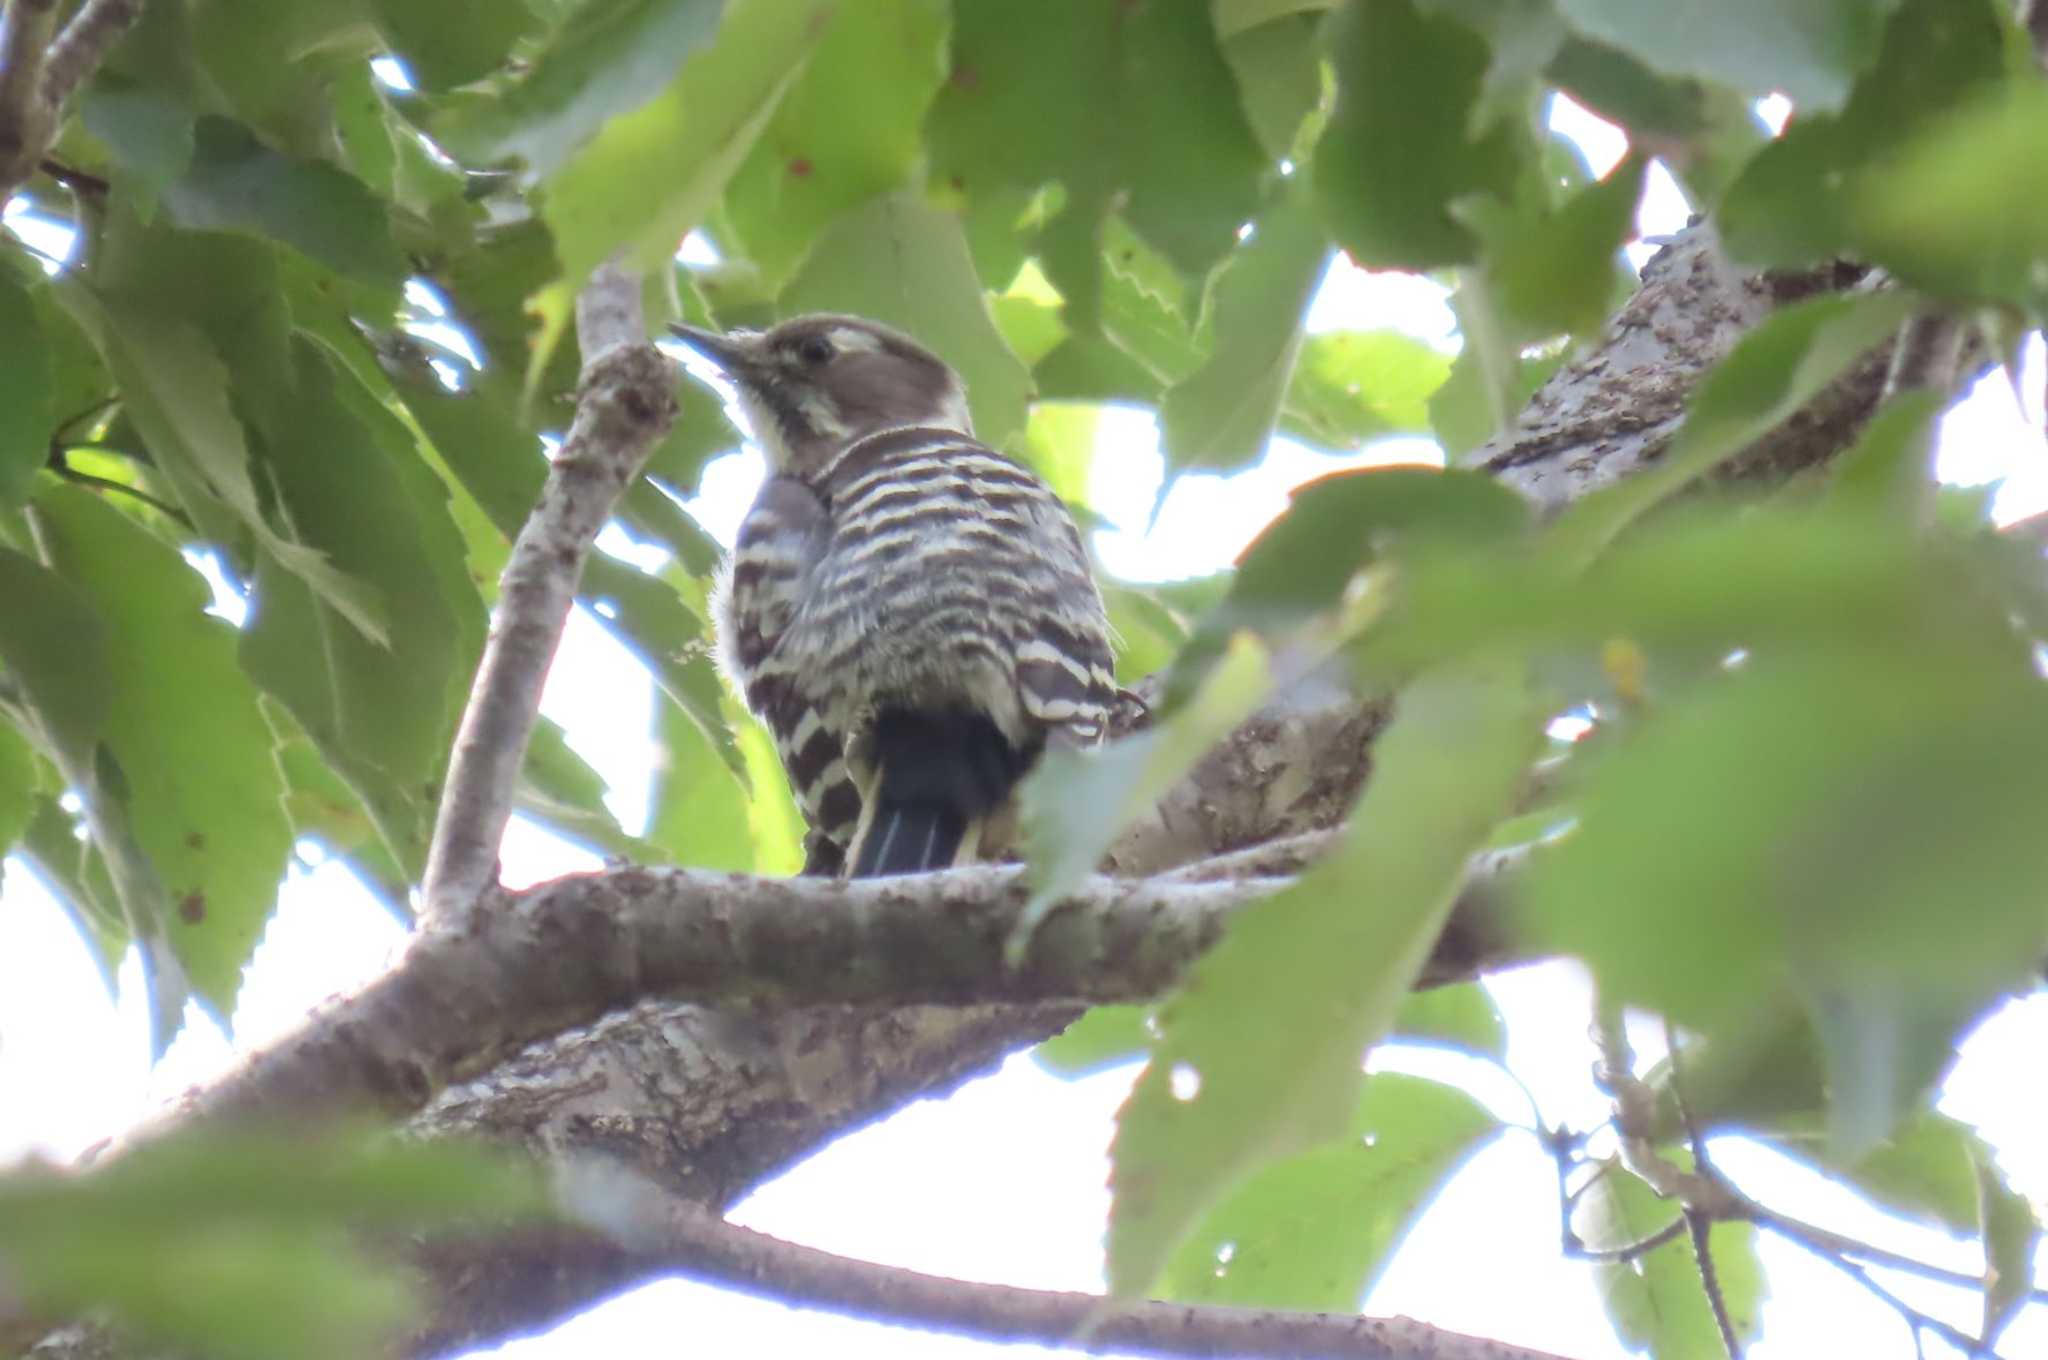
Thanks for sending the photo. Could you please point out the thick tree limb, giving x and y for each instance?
(475, 986)
(625, 403)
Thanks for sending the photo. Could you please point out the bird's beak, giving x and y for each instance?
(736, 354)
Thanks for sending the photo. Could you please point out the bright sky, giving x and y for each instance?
(1004, 1181)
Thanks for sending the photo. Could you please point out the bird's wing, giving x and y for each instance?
(780, 543)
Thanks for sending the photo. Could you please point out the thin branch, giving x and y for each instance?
(1701, 1227)
(98, 483)
(1914, 1318)
(1628, 1251)
(1827, 1242)
(79, 181)
(84, 44)
(674, 1234)
(625, 404)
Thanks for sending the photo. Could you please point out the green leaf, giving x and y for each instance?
(1059, 444)
(2011, 1230)
(269, 64)
(1841, 785)
(1811, 51)
(1962, 209)
(772, 816)
(1656, 1302)
(901, 261)
(1478, 398)
(444, 44)
(1553, 272)
(53, 642)
(26, 417)
(145, 127)
(1075, 802)
(1891, 467)
(1222, 414)
(1104, 1037)
(203, 795)
(1120, 104)
(1352, 387)
(1462, 1016)
(19, 785)
(354, 488)
(235, 183)
(849, 128)
(700, 812)
(1279, 70)
(1303, 563)
(203, 1243)
(1246, 1072)
(557, 786)
(1315, 1230)
(652, 174)
(1401, 146)
(701, 432)
(175, 388)
(1704, 133)
(1772, 372)
(55, 844)
(607, 60)
(1796, 203)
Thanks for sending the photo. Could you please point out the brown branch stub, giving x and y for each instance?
(625, 403)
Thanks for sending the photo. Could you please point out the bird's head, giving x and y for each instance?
(813, 384)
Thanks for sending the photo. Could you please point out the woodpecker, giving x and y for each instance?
(909, 612)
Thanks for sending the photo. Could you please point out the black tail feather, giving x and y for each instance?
(939, 774)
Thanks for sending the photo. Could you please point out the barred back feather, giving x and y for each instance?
(915, 623)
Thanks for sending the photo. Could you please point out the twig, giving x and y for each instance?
(98, 483)
(1628, 1251)
(1914, 1318)
(1828, 1242)
(82, 181)
(674, 1234)
(1697, 1223)
(625, 404)
(1702, 1227)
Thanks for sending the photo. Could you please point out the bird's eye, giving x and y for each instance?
(814, 349)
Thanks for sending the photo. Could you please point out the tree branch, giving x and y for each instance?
(38, 73)
(479, 983)
(84, 44)
(625, 404)
(669, 1234)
